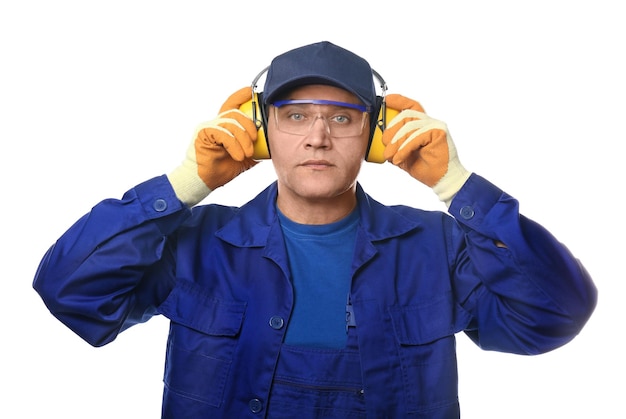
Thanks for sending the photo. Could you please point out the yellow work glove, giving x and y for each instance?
(423, 147)
(220, 150)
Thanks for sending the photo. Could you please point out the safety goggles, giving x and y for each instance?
(341, 119)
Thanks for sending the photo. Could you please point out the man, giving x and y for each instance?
(314, 300)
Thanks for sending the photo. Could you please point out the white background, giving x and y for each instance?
(98, 96)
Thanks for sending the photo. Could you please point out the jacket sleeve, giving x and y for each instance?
(526, 292)
(113, 266)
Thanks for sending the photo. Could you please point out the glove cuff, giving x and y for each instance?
(187, 185)
(451, 182)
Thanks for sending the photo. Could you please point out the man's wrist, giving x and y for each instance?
(187, 185)
(451, 182)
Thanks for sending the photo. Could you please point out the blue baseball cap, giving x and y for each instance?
(320, 63)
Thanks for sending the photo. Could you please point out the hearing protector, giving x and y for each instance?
(256, 110)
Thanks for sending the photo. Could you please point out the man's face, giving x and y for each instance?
(316, 165)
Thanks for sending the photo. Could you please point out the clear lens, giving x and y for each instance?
(299, 118)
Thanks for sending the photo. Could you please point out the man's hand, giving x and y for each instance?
(423, 147)
(220, 151)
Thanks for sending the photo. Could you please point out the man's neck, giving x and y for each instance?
(317, 211)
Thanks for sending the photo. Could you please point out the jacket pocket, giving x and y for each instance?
(426, 344)
(201, 344)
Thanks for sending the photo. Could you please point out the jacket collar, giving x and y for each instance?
(254, 221)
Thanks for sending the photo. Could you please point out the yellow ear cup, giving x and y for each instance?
(261, 150)
(377, 148)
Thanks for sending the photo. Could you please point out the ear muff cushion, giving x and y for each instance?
(376, 147)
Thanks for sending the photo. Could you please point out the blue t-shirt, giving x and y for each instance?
(320, 258)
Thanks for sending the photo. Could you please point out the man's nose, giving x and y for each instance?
(319, 134)
(324, 123)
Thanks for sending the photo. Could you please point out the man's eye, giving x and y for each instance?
(297, 117)
(341, 119)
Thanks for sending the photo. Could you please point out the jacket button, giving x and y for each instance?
(276, 322)
(255, 405)
(160, 205)
(467, 212)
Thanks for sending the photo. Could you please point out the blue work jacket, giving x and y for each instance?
(221, 275)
